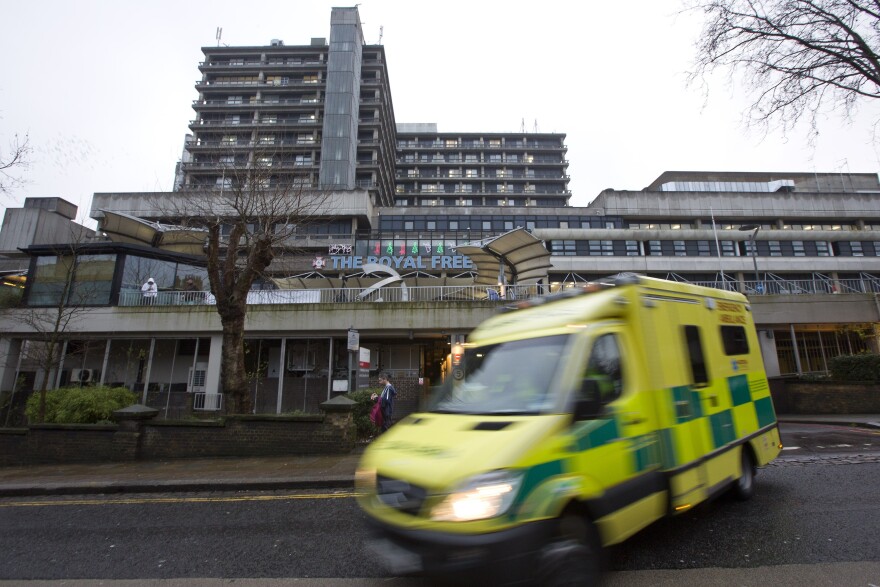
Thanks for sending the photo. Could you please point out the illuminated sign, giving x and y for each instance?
(437, 262)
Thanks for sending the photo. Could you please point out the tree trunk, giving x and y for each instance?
(232, 372)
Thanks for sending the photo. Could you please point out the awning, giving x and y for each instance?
(124, 228)
(523, 257)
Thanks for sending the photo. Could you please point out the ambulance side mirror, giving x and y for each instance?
(589, 402)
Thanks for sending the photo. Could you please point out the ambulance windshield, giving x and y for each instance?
(508, 378)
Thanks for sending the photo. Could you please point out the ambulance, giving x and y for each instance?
(572, 422)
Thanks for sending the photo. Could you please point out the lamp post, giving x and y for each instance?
(754, 228)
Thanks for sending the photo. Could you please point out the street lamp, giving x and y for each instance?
(754, 228)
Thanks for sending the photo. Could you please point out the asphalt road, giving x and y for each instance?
(815, 520)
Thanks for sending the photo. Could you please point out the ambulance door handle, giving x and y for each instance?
(713, 398)
(633, 422)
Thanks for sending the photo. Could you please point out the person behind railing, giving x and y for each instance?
(149, 292)
(191, 293)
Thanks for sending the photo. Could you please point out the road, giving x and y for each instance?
(816, 514)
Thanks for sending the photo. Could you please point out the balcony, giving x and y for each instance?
(472, 293)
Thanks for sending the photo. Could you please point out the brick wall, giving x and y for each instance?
(825, 397)
(330, 433)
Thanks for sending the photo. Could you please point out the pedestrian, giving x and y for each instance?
(190, 291)
(150, 291)
(386, 400)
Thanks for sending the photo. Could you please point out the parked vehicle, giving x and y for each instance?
(571, 424)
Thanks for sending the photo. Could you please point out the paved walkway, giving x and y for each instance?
(230, 474)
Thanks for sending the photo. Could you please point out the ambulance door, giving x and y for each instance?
(680, 349)
(621, 446)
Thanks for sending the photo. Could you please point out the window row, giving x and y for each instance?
(479, 158)
(494, 223)
(706, 248)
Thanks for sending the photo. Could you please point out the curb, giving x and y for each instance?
(808, 420)
(200, 486)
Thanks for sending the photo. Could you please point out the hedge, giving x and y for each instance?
(80, 405)
(861, 367)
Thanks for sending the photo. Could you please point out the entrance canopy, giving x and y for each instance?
(515, 257)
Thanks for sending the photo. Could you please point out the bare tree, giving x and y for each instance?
(798, 58)
(248, 219)
(60, 298)
(15, 159)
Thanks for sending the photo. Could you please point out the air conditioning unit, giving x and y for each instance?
(84, 375)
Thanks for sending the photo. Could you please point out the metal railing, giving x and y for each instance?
(393, 293)
(471, 293)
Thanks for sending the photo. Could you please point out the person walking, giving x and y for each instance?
(149, 291)
(386, 400)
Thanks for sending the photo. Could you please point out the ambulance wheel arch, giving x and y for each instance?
(744, 486)
(574, 556)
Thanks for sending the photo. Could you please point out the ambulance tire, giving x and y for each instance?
(744, 487)
(575, 558)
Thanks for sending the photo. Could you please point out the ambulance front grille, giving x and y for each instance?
(400, 495)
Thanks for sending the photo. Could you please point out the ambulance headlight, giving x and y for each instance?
(484, 496)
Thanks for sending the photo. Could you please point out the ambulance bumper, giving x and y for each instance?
(508, 557)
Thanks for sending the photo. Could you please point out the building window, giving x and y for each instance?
(728, 249)
(487, 225)
(601, 248)
(822, 249)
(798, 248)
(565, 248)
(632, 248)
(775, 248)
(679, 248)
(453, 225)
(655, 248)
(303, 160)
(432, 225)
(408, 225)
(703, 249)
(563, 224)
(856, 248)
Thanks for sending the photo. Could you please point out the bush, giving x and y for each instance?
(361, 412)
(80, 405)
(10, 297)
(862, 367)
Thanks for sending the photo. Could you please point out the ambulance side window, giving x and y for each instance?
(604, 366)
(735, 340)
(697, 361)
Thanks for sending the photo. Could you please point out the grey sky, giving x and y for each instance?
(104, 88)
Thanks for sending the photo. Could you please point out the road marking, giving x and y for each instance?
(791, 448)
(169, 500)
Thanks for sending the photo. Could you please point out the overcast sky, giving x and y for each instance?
(104, 88)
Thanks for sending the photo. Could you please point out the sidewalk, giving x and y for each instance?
(234, 474)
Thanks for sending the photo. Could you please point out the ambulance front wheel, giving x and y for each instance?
(745, 485)
(574, 558)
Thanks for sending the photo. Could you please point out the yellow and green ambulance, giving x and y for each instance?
(573, 422)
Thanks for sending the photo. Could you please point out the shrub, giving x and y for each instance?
(80, 405)
(10, 297)
(361, 412)
(861, 367)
